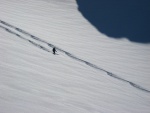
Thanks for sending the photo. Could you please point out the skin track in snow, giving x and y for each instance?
(67, 53)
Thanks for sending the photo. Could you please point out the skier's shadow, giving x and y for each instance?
(119, 18)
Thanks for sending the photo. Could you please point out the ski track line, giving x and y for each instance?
(35, 44)
(63, 51)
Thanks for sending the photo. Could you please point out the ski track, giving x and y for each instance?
(63, 51)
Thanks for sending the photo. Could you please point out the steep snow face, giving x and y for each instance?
(91, 73)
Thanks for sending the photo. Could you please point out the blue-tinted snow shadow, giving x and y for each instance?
(119, 18)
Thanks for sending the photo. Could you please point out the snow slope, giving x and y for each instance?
(92, 73)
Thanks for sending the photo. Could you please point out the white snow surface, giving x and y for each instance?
(99, 74)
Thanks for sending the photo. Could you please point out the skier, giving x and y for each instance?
(54, 50)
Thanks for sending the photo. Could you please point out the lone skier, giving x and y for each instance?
(54, 50)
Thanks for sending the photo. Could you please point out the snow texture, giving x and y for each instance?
(91, 72)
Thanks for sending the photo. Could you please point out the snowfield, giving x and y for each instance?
(91, 73)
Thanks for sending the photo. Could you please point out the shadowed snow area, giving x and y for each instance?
(128, 19)
(91, 72)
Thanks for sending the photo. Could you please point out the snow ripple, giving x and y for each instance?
(63, 51)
